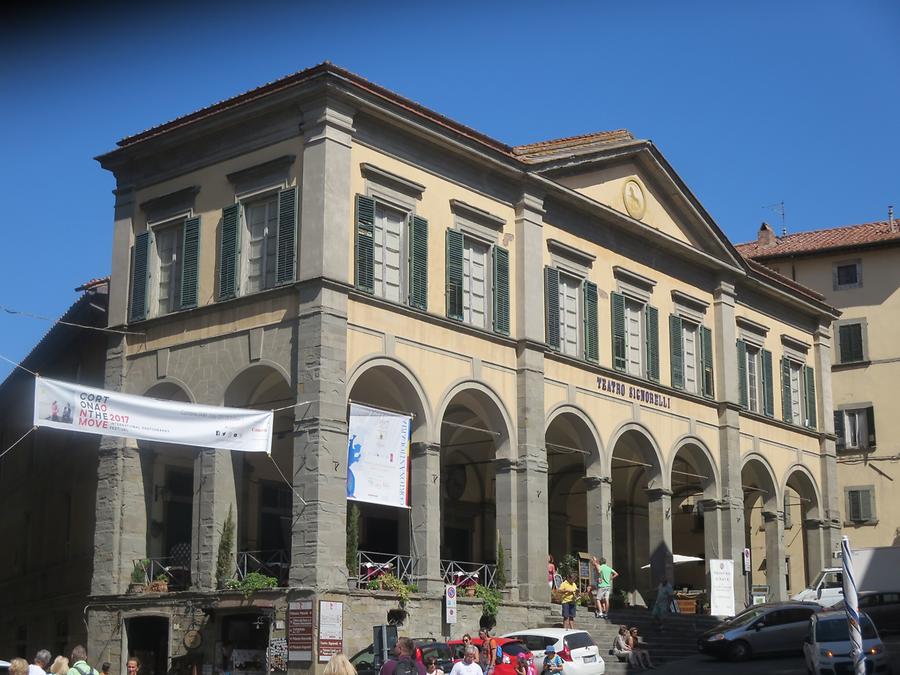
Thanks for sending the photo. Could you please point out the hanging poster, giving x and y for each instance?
(378, 456)
(74, 407)
(331, 629)
(721, 592)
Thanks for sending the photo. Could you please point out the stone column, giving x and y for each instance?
(318, 550)
(775, 566)
(599, 520)
(731, 507)
(507, 504)
(214, 492)
(831, 508)
(815, 530)
(426, 515)
(120, 532)
(659, 513)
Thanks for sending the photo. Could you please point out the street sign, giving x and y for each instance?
(450, 603)
(746, 560)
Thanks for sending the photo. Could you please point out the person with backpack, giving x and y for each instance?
(553, 663)
(404, 662)
(79, 662)
(490, 651)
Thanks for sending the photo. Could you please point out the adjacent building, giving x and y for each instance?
(590, 364)
(857, 269)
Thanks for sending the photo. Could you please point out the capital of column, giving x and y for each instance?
(531, 204)
(724, 292)
(655, 494)
(424, 449)
(593, 482)
(533, 464)
(505, 465)
(814, 524)
(772, 516)
(712, 504)
(328, 120)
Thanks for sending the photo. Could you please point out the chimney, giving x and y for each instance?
(891, 218)
(766, 236)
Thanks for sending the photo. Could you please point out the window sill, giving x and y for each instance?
(850, 365)
(860, 523)
(759, 417)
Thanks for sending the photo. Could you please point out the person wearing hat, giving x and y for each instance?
(553, 662)
(524, 664)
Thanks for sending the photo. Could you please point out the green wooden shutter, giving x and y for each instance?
(140, 276)
(706, 360)
(865, 505)
(500, 258)
(767, 384)
(286, 251)
(551, 304)
(229, 252)
(455, 274)
(809, 376)
(854, 510)
(676, 351)
(786, 412)
(651, 324)
(617, 303)
(870, 425)
(742, 373)
(418, 262)
(839, 431)
(365, 243)
(591, 348)
(190, 258)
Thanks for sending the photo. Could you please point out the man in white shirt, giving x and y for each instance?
(469, 665)
(41, 661)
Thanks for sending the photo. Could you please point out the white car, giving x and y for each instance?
(577, 648)
(827, 647)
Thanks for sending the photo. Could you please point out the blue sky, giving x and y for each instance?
(752, 105)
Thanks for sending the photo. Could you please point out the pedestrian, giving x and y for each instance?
(339, 664)
(568, 593)
(60, 666)
(469, 664)
(525, 665)
(664, 593)
(641, 655)
(488, 651)
(39, 663)
(404, 662)
(605, 576)
(79, 662)
(104, 669)
(18, 666)
(551, 570)
(133, 665)
(553, 663)
(621, 649)
(432, 667)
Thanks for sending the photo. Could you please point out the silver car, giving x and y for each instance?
(827, 647)
(770, 628)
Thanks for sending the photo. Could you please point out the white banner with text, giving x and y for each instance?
(378, 456)
(74, 407)
(721, 593)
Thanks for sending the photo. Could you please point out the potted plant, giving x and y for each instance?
(160, 584)
(254, 581)
(139, 577)
(490, 605)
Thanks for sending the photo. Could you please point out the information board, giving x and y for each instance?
(721, 593)
(331, 629)
(300, 630)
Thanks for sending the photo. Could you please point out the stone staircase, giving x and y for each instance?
(677, 640)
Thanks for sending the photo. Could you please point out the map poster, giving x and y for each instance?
(721, 592)
(378, 456)
(300, 631)
(331, 629)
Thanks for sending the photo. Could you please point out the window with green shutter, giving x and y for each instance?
(706, 362)
(768, 387)
(591, 347)
(140, 254)
(850, 341)
(651, 324)
(787, 409)
(229, 250)
(418, 262)
(617, 306)
(870, 425)
(860, 504)
(841, 442)
(676, 351)
(364, 243)
(742, 374)
(809, 396)
(500, 277)
(454, 274)
(551, 304)
(190, 262)
(286, 246)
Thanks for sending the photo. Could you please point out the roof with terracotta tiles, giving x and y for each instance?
(822, 241)
(532, 152)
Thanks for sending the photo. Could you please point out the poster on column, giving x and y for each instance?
(331, 629)
(378, 456)
(721, 592)
(74, 407)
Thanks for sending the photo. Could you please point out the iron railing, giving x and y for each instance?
(173, 570)
(371, 566)
(276, 563)
(465, 574)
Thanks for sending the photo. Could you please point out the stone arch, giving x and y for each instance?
(400, 389)
(757, 467)
(488, 405)
(595, 462)
(698, 453)
(800, 478)
(805, 522)
(251, 382)
(649, 449)
(170, 389)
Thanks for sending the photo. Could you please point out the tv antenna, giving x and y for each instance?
(778, 207)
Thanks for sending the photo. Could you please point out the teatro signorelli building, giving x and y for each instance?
(589, 364)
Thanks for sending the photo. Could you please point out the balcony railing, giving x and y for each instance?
(465, 574)
(275, 563)
(173, 570)
(371, 566)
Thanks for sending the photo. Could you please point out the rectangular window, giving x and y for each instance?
(168, 250)
(753, 388)
(569, 315)
(634, 340)
(691, 354)
(847, 274)
(261, 237)
(855, 428)
(475, 283)
(850, 341)
(860, 504)
(389, 250)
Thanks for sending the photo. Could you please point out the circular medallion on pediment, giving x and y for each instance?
(634, 198)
